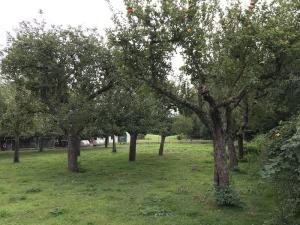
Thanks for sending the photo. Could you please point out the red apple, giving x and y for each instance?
(130, 10)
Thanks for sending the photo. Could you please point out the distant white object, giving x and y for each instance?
(101, 141)
(84, 143)
(98, 141)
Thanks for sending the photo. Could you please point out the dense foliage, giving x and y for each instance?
(281, 150)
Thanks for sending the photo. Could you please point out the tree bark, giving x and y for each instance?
(233, 162)
(241, 134)
(114, 148)
(132, 147)
(162, 144)
(17, 149)
(241, 145)
(221, 173)
(41, 144)
(73, 151)
(106, 141)
(78, 146)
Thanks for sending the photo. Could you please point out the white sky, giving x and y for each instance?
(89, 13)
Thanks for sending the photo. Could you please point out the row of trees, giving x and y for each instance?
(113, 113)
(233, 57)
(230, 57)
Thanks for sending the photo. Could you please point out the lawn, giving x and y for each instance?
(172, 190)
(152, 138)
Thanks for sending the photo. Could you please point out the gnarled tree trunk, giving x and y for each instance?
(73, 151)
(17, 149)
(132, 147)
(114, 147)
(221, 173)
(162, 144)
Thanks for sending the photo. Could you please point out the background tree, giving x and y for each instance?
(17, 120)
(278, 41)
(163, 120)
(45, 125)
(109, 114)
(66, 68)
(139, 114)
(182, 126)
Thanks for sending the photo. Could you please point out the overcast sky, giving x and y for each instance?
(89, 13)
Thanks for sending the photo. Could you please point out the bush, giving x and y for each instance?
(283, 168)
(180, 137)
(227, 196)
(258, 142)
(251, 150)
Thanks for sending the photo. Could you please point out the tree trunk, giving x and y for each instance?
(241, 145)
(78, 146)
(106, 141)
(221, 173)
(162, 144)
(40, 144)
(132, 147)
(233, 162)
(114, 148)
(241, 135)
(59, 141)
(17, 149)
(73, 151)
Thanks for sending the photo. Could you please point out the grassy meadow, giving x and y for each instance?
(175, 189)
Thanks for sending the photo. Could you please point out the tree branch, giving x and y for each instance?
(235, 101)
(102, 90)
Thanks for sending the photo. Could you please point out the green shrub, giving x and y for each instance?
(251, 150)
(181, 137)
(283, 168)
(227, 196)
(259, 141)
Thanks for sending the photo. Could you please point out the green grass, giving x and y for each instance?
(153, 138)
(172, 190)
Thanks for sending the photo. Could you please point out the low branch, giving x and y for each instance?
(179, 101)
(234, 101)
